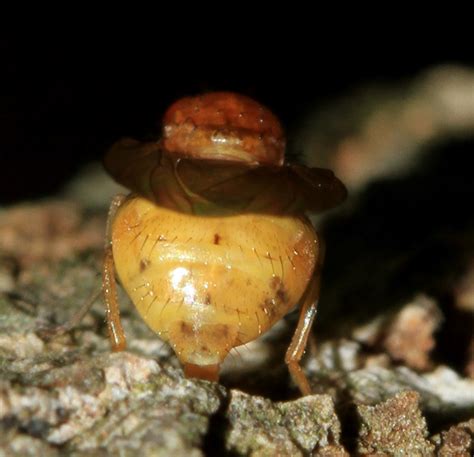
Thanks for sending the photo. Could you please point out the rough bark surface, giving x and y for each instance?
(391, 364)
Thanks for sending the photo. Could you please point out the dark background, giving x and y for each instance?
(66, 99)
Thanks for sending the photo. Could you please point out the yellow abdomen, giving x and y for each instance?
(208, 284)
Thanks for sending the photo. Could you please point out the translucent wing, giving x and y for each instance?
(131, 163)
(221, 187)
(289, 188)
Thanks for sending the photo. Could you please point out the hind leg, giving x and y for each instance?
(300, 338)
(303, 329)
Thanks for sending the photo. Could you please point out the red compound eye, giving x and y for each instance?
(224, 126)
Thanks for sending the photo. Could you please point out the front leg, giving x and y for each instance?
(109, 284)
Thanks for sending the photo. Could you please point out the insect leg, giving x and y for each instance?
(50, 333)
(109, 292)
(300, 338)
(109, 284)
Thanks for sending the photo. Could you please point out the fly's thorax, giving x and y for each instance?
(208, 284)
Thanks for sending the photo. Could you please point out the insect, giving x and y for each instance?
(213, 245)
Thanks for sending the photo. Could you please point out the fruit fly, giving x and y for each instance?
(213, 246)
